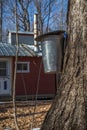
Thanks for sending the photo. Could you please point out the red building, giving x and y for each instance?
(31, 79)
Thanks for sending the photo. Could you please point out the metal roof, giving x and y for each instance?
(7, 49)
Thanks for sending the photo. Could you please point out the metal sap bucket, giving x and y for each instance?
(52, 46)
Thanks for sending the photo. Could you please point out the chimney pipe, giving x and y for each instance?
(35, 31)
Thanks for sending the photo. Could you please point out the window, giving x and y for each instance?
(23, 67)
(3, 68)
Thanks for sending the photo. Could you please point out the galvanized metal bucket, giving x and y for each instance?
(52, 46)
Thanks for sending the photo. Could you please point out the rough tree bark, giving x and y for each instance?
(68, 111)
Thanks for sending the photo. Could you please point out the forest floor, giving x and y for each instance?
(28, 114)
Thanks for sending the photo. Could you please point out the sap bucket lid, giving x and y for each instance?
(41, 37)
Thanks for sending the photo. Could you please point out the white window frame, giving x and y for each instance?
(24, 71)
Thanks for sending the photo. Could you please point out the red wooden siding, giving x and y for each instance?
(26, 83)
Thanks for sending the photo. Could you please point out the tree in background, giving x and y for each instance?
(69, 109)
(23, 13)
(59, 19)
(0, 20)
(45, 10)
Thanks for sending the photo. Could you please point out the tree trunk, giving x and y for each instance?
(0, 21)
(68, 111)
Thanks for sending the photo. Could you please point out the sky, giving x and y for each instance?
(57, 19)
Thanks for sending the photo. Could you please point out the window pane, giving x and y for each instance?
(19, 67)
(5, 85)
(3, 72)
(2, 64)
(24, 67)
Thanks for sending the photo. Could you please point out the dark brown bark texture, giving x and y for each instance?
(69, 109)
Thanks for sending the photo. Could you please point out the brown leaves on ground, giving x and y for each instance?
(28, 115)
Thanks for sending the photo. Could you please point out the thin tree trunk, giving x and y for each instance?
(1, 11)
(68, 111)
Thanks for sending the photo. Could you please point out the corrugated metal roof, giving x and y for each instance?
(10, 50)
